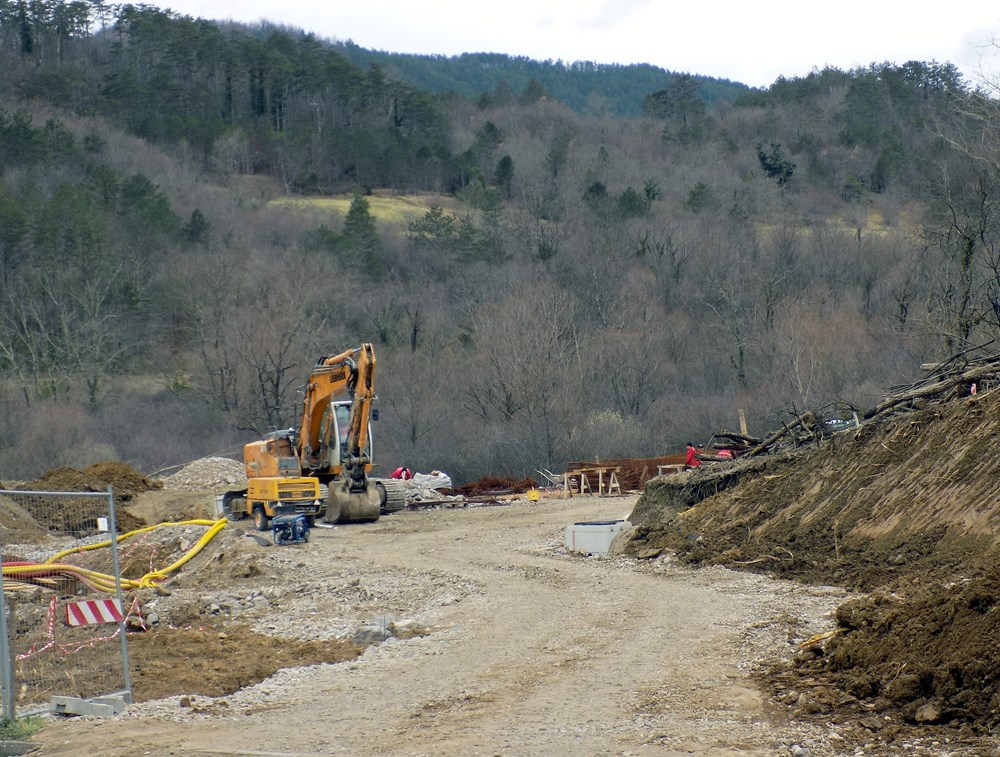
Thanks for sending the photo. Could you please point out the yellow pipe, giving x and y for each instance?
(106, 582)
(150, 579)
(74, 550)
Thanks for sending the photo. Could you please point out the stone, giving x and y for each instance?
(928, 713)
(369, 635)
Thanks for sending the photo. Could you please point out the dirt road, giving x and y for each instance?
(531, 650)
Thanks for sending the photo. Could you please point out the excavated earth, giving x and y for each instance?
(837, 599)
(905, 513)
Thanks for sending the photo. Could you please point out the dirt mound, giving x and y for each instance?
(214, 662)
(208, 474)
(126, 482)
(17, 524)
(911, 496)
(929, 657)
(172, 505)
(906, 507)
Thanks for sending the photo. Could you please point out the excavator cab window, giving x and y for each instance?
(342, 413)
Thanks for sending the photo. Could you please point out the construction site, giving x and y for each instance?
(828, 590)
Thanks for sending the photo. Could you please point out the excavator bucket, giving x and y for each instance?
(345, 506)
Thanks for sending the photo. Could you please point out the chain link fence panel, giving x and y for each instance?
(61, 599)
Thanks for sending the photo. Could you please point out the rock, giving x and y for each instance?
(369, 635)
(407, 627)
(871, 723)
(230, 603)
(208, 473)
(928, 713)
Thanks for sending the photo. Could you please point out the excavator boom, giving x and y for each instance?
(341, 461)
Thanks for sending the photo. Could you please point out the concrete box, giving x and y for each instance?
(594, 537)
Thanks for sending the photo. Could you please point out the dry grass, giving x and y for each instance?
(386, 208)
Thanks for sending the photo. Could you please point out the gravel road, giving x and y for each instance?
(531, 650)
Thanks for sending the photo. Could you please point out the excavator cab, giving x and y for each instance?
(274, 455)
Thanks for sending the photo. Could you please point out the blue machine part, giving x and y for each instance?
(289, 529)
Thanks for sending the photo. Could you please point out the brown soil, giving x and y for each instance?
(125, 481)
(15, 519)
(216, 662)
(905, 509)
(163, 505)
(899, 664)
(528, 649)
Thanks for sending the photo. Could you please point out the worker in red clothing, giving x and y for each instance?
(403, 473)
(691, 461)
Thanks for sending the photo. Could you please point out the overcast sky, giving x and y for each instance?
(753, 43)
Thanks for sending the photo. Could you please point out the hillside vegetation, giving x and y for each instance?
(568, 284)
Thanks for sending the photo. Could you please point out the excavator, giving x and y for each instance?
(322, 468)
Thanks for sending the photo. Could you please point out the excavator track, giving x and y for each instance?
(392, 495)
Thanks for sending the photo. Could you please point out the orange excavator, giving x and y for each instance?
(322, 468)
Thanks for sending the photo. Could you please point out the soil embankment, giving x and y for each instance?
(905, 509)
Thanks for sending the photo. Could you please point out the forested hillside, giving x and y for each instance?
(584, 86)
(572, 283)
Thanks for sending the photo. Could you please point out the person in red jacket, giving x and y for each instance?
(403, 473)
(691, 461)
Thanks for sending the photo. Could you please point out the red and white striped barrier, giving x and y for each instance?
(92, 612)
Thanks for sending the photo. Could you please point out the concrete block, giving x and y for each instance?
(77, 706)
(594, 537)
(116, 701)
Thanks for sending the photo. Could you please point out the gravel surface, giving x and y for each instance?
(208, 473)
(528, 649)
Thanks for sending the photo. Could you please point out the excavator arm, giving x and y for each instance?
(349, 375)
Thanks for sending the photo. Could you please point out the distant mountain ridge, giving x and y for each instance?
(584, 86)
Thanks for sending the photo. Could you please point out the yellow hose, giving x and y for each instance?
(150, 579)
(73, 550)
(105, 582)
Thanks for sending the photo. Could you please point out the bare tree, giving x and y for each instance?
(523, 359)
(65, 326)
(256, 342)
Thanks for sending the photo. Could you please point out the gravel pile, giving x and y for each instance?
(208, 473)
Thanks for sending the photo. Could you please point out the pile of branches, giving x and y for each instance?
(959, 376)
(809, 427)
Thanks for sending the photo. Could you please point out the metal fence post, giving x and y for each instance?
(118, 593)
(6, 658)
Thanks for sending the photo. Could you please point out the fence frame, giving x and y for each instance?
(7, 668)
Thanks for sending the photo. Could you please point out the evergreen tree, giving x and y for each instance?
(504, 174)
(360, 237)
